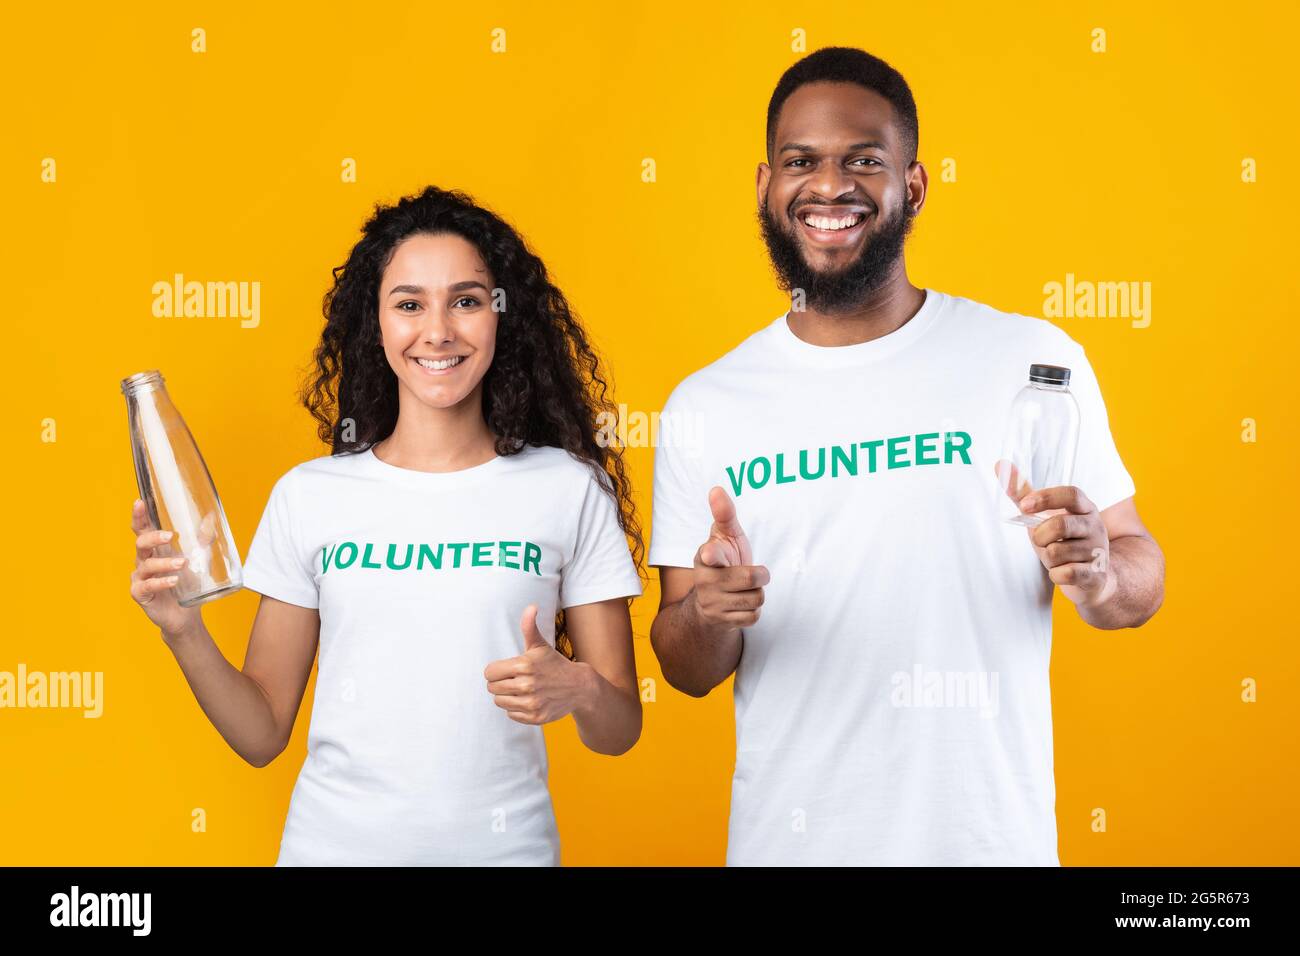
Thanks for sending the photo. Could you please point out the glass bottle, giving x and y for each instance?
(1040, 442)
(179, 494)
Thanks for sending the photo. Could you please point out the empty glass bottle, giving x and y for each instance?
(1041, 439)
(179, 494)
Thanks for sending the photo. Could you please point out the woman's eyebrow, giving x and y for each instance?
(420, 290)
(466, 285)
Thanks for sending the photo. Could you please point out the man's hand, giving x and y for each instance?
(1107, 564)
(728, 587)
(541, 684)
(1072, 544)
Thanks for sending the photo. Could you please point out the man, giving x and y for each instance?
(831, 534)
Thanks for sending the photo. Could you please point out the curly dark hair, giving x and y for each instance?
(545, 386)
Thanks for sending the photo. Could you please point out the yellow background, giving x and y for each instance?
(225, 165)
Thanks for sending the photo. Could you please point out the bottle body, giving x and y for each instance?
(179, 494)
(1040, 442)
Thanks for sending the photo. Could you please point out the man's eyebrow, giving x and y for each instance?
(804, 148)
(420, 290)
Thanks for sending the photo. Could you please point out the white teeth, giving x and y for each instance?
(443, 363)
(825, 222)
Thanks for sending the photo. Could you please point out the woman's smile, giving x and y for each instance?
(435, 366)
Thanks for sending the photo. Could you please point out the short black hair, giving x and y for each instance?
(844, 64)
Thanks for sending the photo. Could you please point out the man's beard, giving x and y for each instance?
(843, 289)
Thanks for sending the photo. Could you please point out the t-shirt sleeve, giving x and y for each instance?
(601, 566)
(1099, 471)
(680, 518)
(277, 565)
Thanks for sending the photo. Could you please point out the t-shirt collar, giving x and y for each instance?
(862, 352)
(430, 480)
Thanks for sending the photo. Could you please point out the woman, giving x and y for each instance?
(462, 558)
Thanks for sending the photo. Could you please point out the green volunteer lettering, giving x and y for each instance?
(736, 480)
(850, 460)
(781, 477)
(803, 464)
(950, 445)
(403, 557)
(871, 447)
(921, 449)
(896, 450)
(896, 453)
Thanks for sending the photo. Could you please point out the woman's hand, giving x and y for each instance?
(541, 684)
(153, 579)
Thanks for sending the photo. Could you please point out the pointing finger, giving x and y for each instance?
(724, 513)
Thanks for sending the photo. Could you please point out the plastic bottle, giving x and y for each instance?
(1041, 439)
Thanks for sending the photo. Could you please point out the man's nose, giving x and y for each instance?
(832, 182)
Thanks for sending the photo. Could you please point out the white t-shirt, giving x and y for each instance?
(892, 702)
(420, 580)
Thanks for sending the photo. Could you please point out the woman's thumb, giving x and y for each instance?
(528, 625)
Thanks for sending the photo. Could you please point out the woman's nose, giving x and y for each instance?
(438, 327)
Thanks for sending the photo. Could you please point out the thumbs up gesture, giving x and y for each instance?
(728, 585)
(541, 684)
(533, 639)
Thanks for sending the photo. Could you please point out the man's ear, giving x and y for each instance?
(918, 184)
(761, 180)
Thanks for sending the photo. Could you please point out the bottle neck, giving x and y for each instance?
(141, 382)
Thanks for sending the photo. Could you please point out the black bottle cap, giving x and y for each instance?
(1049, 374)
